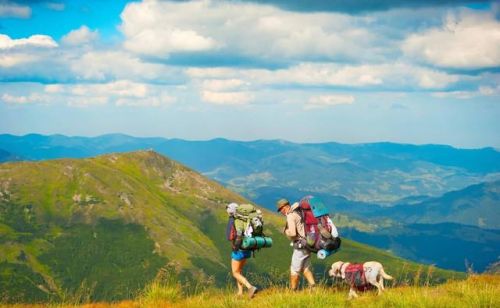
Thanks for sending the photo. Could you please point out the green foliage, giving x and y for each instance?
(20, 218)
(19, 283)
(113, 259)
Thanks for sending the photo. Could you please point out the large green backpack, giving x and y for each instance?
(248, 221)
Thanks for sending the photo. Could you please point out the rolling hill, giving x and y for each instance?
(108, 225)
(476, 205)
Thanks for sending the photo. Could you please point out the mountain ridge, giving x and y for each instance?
(378, 172)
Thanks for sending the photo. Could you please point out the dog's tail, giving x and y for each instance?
(385, 275)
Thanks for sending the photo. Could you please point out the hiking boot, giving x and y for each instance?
(251, 292)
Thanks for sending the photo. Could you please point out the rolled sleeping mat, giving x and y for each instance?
(322, 254)
(250, 243)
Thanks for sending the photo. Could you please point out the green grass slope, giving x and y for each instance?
(476, 291)
(105, 227)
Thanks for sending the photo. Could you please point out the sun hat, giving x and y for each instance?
(281, 203)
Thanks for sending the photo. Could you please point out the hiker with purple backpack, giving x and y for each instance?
(295, 231)
(309, 227)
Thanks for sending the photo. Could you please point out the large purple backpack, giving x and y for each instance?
(317, 229)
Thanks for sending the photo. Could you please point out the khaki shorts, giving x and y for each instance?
(301, 260)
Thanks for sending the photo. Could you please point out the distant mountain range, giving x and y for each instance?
(377, 172)
(476, 205)
(6, 156)
(447, 245)
(106, 226)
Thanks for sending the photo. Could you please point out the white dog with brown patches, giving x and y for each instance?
(373, 271)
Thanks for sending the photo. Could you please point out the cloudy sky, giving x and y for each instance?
(307, 70)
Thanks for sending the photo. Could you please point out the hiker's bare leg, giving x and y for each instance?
(309, 276)
(294, 281)
(240, 287)
(236, 268)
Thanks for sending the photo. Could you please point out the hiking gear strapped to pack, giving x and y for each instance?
(252, 243)
(322, 253)
(318, 226)
(248, 221)
(230, 229)
(355, 276)
(246, 229)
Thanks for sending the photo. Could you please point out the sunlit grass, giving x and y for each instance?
(476, 291)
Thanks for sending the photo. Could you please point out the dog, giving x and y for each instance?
(373, 271)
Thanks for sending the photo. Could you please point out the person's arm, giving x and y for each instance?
(335, 232)
(291, 230)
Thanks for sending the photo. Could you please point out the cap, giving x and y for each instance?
(281, 203)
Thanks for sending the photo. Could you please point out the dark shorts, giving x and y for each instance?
(240, 255)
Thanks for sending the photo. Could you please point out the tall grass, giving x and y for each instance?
(476, 291)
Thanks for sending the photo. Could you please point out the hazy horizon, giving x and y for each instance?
(244, 140)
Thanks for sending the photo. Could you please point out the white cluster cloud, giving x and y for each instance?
(80, 36)
(227, 98)
(323, 101)
(24, 99)
(122, 88)
(222, 84)
(482, 91)
(14, 10)
(151, 30)
(28, 56)
(160, 100)
(121, 93)
(11, 60)
(37, 40)
(158, 28)
(106, 65)
(469, 41)
(230, 91)
(388, 76)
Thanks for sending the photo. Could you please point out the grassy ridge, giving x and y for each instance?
(476, 291)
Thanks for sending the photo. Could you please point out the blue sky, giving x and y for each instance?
(349, 71)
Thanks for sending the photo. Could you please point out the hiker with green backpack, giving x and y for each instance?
(245, 231)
